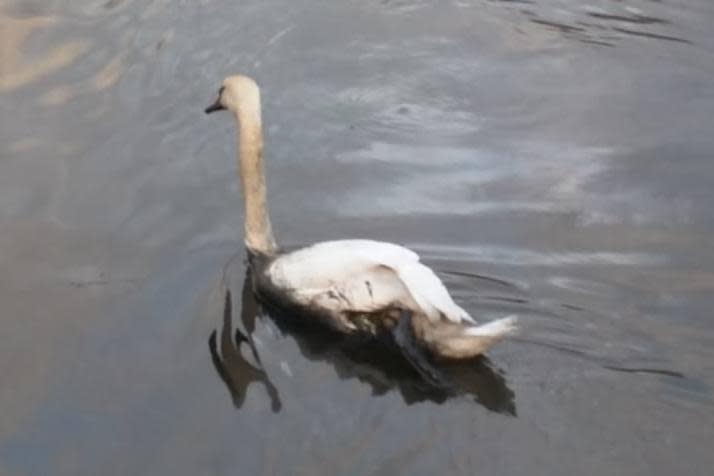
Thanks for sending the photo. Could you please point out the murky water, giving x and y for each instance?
(549, 158)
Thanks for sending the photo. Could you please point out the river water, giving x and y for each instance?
(548, 158)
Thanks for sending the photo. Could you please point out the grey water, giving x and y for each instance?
(552, 159)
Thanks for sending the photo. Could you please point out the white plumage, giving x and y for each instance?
(357, 285)
(365, 276)
(345, 278)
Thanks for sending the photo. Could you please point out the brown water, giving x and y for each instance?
(549, 158)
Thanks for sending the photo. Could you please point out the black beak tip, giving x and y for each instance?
(214, 107)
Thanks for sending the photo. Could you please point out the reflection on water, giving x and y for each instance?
(18, 71)
(379, 364)
(234, 369)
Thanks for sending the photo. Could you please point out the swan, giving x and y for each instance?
(355, 286)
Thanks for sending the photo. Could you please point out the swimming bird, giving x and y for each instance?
(355, 286)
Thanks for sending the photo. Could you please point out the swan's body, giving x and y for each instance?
(354, 285)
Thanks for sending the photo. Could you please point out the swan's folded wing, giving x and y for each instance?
(430, 293)
(364, 275)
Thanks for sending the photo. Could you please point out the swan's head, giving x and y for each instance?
(236, 93)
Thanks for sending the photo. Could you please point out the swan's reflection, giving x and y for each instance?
(375, 362)
(233, 368)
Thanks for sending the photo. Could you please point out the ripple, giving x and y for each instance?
(524, 257)
(600, 24)
(17, 71)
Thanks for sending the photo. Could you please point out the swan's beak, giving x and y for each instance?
(216, 106)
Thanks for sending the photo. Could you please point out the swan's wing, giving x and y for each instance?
(430, 293)
(364, 275)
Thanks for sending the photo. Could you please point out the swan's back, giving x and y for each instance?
(363, 276)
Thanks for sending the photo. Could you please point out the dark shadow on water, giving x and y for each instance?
(233, 368)
(375, 362)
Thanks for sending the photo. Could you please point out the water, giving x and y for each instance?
(548, 158)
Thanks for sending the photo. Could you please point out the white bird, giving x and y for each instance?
(354, 286)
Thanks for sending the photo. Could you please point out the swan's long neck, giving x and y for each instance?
(258, 232)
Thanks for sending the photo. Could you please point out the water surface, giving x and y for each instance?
(547, 158)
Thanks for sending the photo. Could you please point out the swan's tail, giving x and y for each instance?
(475, 340)
(499, 328)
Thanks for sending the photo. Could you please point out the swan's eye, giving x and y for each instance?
(217, 105)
